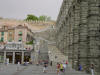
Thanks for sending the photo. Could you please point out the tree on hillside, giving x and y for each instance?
(31, 17)
(44, 18)
(48, 18)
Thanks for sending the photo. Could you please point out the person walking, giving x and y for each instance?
(51, 63)
(18, 65)
(80, 67)
(66, 63)
(92, 69)
(58, 68)
(45, 67)
(61, 67)
(64, 67)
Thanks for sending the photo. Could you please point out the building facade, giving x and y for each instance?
(77, 33)
(16, 44)
(14, 52)
(3, 34)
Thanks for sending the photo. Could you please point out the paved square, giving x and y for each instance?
(34, 70)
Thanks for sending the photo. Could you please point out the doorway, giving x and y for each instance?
(18, 57)
(9, 56)
(27, 57)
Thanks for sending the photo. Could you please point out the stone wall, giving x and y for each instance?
(77, 32)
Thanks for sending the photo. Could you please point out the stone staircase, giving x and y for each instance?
(55, 55)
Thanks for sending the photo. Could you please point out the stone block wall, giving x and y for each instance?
(77, 34)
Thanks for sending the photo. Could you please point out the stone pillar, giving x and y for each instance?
(22, 60)
(4, 56)
(13, 57)
(32, 57)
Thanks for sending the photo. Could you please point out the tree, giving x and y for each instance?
(31, 17)
(44, 18)
(48, 18)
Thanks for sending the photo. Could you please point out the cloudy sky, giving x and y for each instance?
(18, 9)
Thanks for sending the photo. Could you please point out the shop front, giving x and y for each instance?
(1, 57)
(15, 56)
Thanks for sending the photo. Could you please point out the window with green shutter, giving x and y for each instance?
(20, 33)
(2, 33)
(20, 39)
(2, 39)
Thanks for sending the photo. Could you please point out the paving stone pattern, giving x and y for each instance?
(35, 70)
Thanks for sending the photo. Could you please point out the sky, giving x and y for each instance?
(18, 9)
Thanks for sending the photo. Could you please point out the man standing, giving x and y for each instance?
(45, 66)
(80, 67)
(18, 65)
(92, 69)
(51, 63)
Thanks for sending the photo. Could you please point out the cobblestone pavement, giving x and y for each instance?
(34, 70)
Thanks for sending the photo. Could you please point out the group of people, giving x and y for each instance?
(61, 67)
(90, 68)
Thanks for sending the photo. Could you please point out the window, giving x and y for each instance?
(20, 39)
(2, 33)
(20, 33)
(10, 40)
(2, 39)
(10, 33)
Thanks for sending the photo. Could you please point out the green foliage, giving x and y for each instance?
(30, 42)
(31, 17)
(44, 18)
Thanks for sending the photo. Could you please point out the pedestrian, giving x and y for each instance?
(18, 65)
(64, 67)
(58, 68)
(66, 62)
(61, 67)
(37, 63)
(92, 69)
(51, 63)
(45, 67)
(7, 61)
(80, 67)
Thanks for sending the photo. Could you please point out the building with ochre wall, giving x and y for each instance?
(16, 44)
